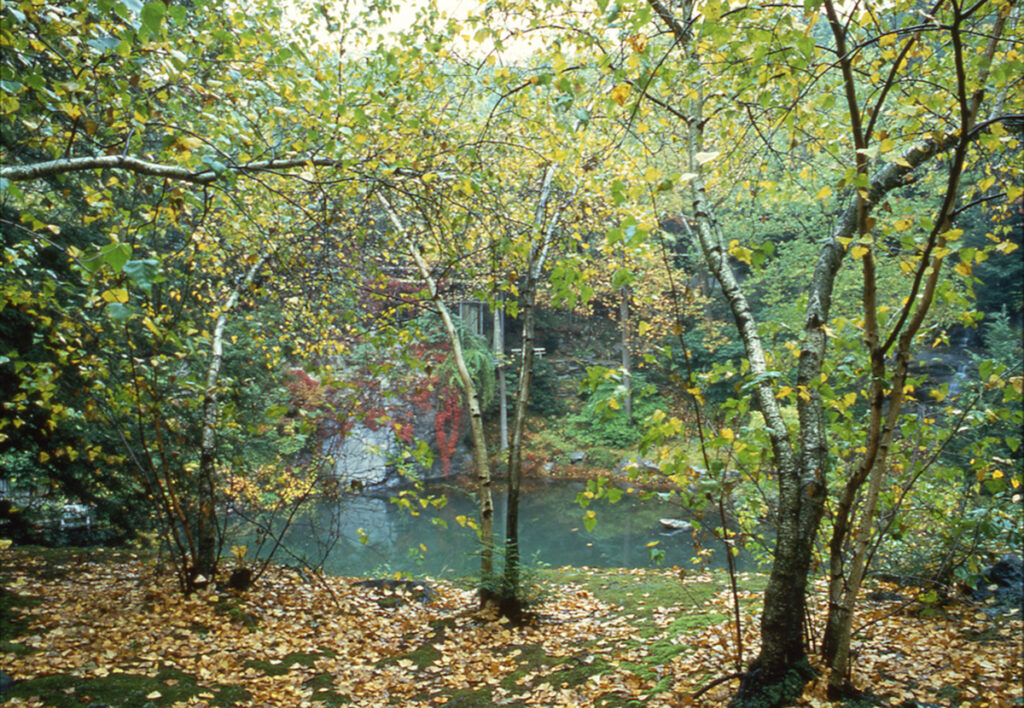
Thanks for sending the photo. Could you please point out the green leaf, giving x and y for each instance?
(152, 15)
(115, 255)
(142, 272)
(178, 13)
(622, 278)
(118, 312)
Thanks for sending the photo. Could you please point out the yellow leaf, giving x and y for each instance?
(824, 193)
(638, 42)
(613, 403)
(727, 434)
(115, 295)
(740, 253)
(858, 252)
(189, 142)
(620, 93)
(784, 391)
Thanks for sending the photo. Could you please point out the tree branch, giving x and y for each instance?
(51, 168)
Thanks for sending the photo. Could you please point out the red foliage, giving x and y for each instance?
(422, 394)
(304, 389)
(448, 424)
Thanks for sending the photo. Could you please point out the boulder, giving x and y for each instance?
(676, 524)
(240, 579)
(363, 455)
(637, 466)
(1002, 582)
(577, 457)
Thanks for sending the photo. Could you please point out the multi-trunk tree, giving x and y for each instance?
(849, 91)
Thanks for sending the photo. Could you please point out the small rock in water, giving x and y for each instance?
(577, 457)
(676, 524)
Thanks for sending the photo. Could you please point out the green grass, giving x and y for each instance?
(124, 690)
(12, 623)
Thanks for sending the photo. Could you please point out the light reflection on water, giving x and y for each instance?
(551, 532)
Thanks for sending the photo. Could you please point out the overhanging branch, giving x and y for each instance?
(51, 168)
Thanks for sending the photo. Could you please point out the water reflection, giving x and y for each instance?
(370, 535)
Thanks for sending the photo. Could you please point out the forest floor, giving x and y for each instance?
(108, 628)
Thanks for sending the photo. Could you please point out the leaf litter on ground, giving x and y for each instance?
(602, 637)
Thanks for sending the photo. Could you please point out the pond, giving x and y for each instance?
(369, 534)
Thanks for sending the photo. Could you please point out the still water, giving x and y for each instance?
(369, 534)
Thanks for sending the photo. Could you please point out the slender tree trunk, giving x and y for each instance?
(535, 264)
(499, 368)
(515, 458)
(481, 459)
(627, 365)
(208, 532)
